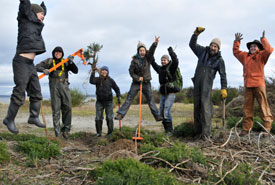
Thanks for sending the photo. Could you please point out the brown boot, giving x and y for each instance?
(243, 133)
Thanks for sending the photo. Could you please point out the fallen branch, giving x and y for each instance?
(230, 171)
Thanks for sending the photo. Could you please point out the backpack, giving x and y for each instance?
(177, 83)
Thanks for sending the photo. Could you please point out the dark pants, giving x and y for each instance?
(203, 107)
(147, 91)
(100, 106)
(61, 101)
(25, 79)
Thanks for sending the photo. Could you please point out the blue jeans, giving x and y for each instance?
(108, 106)
(166, 103)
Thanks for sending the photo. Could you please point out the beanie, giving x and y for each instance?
(37, 8)
(216, 41)
(140, 44)
(165, 56)
(105, 68)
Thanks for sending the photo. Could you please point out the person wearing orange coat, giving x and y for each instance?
(254, 81)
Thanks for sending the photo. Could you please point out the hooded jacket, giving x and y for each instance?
(215, 62)
(48, 63)
(140, 68)
(253, 64)
(104, 87)
(29, 39)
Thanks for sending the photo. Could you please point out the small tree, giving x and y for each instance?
(91, 53)
(78, 97)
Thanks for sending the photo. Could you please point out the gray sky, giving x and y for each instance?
(119, 24)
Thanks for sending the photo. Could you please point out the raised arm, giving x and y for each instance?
(268, 49)
(196, 48)
(240, 55)
(174, 60)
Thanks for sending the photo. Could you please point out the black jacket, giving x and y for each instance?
(163, 76)
(215, 63)
(48, 63)
(104, 88)
(142, 69)
(29, 39)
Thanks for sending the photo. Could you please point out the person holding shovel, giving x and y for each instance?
(141, 74)
(209, 62)
(167, 75)
(253, 63)
(104, 98)
(29, 44)
(61, 100)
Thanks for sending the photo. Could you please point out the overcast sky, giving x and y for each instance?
(119, 24)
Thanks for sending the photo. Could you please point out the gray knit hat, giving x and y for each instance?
(216, 41)
(37, 8)
(165, 56)
(140, 44)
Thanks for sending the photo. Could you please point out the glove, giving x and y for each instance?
(224, 93)
(199, 30)
(118, 100)
(46, 71)
(238, 37)
(170, 49)
(71, 59)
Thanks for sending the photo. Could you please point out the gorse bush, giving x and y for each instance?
(17, 137)
(125, 133)
(131, 172)
(79, 135)
(4, 155)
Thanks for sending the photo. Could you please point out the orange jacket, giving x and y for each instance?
(253, 64)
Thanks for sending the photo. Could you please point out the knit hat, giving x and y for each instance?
(140, 44)
(165, 56)
(58, 49)
(216, 41)
(105, 68)
(37, 8)
(258, 43)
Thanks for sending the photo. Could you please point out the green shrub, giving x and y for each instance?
(243, 174)
(184, 130)
(79, 135)
(129, 172)
(155, 138)
(17, 137)
(125, 133)
(39, 148)
(4, 155)
(176, 153)
(231, 122)
(78, 97)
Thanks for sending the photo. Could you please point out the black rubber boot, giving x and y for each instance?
(34, 114)
(9, 119)
(98, 126)
(110, 125)
(164, 126)
(169, 127)
(57, 130)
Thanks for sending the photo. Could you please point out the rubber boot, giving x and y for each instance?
(34, 114)
(57, 129)
(98, 126)
(164, 126)
(169, 128)
(9, 119)
(110, 125)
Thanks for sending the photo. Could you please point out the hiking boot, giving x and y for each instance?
(65, 135)
(119, 117)
(243, 133)
(159, 118)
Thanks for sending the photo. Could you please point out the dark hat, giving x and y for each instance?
(58, 49)
(258, 43)
(105, 68)
(37, 8)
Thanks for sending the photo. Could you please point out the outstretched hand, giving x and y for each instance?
(238, 36)
(199, 30)
(157, 39)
